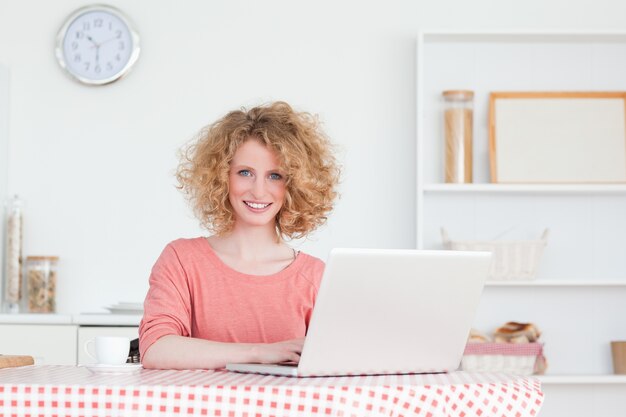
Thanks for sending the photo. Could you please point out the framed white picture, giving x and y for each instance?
(554, 137)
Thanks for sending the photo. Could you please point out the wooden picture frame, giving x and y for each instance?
(557, 137)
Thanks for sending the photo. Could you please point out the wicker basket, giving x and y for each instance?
(520, 359)
(512, 259)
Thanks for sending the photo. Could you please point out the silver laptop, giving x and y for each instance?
(382, 311)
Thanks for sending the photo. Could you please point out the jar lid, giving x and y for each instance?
(42, 258)
(459, 94)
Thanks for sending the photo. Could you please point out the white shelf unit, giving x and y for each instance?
(582, 379)
(579, 296)
(557, 283)
(526, 188)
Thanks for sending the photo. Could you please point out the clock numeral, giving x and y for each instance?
(86, 66)
(118, 34)
(121, 46)
(109, 66)
(80, 35)
(118, 57)
(77, 58)
(86, 26)
(97, 69)
(74, 45)
(97, 23)
(110, 25)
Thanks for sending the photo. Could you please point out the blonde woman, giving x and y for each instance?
(254, 178)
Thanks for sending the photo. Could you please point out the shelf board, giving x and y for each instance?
(568, 36)
(581, 379)
(527, 188)
(556, 283)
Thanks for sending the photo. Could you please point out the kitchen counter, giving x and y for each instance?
(83, 319)
(59, 339)
(35, 319)
(106, 319)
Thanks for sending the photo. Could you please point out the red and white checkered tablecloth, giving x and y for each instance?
(76, 391)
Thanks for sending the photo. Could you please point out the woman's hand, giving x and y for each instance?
(280, 352)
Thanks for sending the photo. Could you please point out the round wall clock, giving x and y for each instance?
(97, 45)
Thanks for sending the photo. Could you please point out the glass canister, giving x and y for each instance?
(458, 131)
(41, 283)
(13, 256)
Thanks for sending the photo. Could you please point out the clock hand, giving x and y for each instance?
(95, 45)
(109, 40)
(91, 40)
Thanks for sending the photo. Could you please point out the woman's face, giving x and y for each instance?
(256, 185)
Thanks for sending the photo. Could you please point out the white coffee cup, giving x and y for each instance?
(110, 350)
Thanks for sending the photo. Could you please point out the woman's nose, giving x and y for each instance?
(258, 188)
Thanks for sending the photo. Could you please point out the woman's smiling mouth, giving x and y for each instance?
(257, 206)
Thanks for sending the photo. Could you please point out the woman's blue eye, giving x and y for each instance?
(276, 176)
(244, 173)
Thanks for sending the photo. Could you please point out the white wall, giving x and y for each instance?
(95, 165)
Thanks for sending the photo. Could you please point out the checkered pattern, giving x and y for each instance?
(75, 391)
(523, 349)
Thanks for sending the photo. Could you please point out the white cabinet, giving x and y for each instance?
(48, 344)
(56, 339)
(579, 297)
(88, 332)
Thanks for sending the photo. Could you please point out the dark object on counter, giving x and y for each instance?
(133, 354)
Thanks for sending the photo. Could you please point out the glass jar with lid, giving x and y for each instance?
(458, 130)
(41, 283)
(12, 274)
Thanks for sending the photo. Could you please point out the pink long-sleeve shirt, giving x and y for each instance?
(193, 293)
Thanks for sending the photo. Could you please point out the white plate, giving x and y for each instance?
(128, 305)
(115, 310)
(114, 369)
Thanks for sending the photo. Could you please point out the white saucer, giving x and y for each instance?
(114, 369)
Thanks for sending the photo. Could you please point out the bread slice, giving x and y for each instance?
(11, 361)
(514, 332)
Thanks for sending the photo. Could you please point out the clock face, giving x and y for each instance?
(97, 45)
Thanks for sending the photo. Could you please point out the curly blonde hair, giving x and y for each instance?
(304, 152)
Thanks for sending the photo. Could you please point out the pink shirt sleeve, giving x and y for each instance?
(167, 308)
